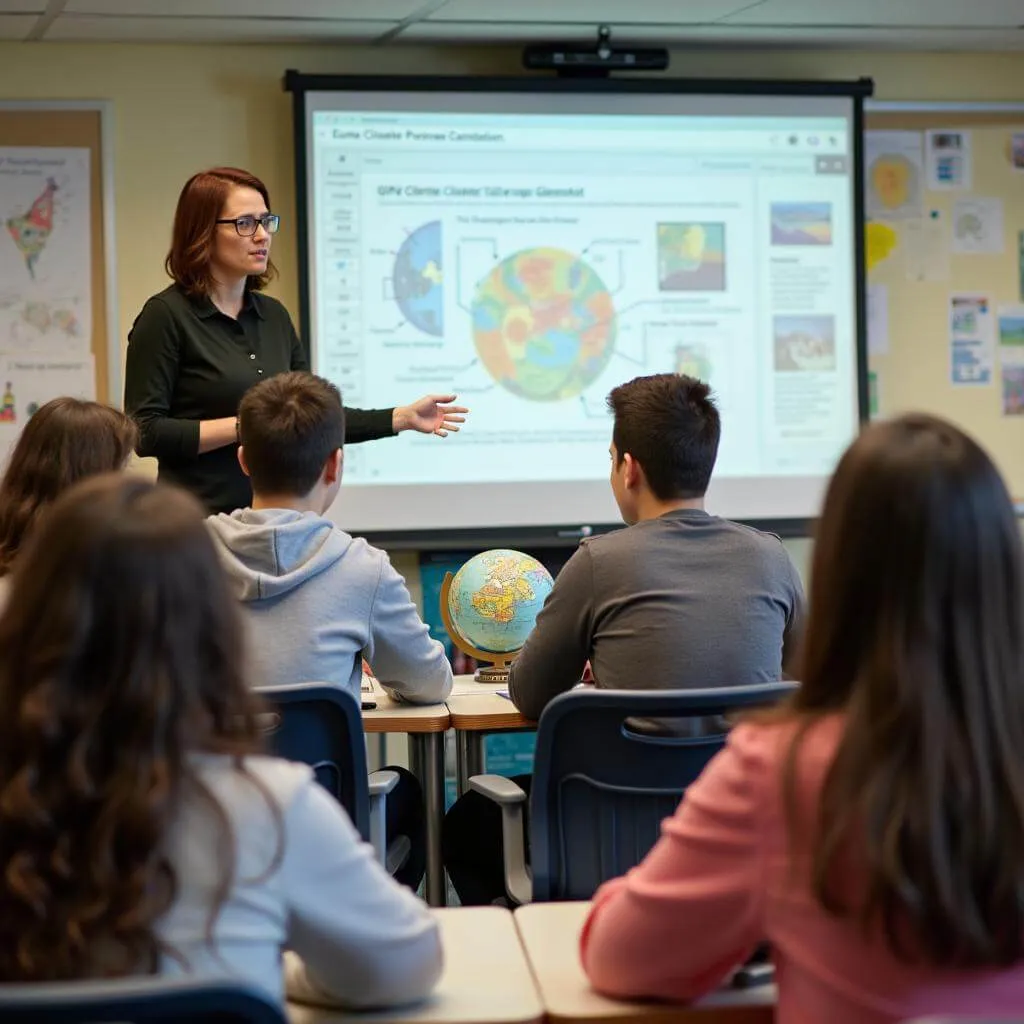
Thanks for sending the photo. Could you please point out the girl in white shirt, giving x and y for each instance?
(141, 831)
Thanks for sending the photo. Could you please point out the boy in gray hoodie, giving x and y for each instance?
(316, 600)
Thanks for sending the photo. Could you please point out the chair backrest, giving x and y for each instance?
(601, 786)
(139, 1001)
(322, 726)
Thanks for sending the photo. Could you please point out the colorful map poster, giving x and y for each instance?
(45, 252)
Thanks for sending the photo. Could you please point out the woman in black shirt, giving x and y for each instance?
(201, 343)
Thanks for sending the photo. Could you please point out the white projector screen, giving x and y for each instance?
(531, 250)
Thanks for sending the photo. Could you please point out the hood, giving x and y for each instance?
(268, 552)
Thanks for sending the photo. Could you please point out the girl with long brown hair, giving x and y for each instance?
(141, 830)
(872, 830)
(66, 440)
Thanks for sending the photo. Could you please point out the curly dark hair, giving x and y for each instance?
(120, 660)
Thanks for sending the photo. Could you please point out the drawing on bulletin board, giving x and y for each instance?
(950, 327)
(57, 329)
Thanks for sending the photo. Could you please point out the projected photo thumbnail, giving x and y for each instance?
(691, 257)
(805, 343)
(801, 223)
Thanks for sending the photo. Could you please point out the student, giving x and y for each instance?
(141, 830)
(680, 599)
(316, 600)
(65, 441)
(872, 830)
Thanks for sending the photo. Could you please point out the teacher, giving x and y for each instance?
(200, 344)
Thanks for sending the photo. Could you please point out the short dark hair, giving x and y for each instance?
(289, 426)
(670, 424)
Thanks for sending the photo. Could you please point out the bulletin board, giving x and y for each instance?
(945, 252)
(58, 300)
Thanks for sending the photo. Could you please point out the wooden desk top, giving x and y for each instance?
(476, 707)
(550, 934)
(485, 711)
(486, 978)
(393, 716)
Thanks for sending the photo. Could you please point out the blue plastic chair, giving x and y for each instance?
(322, 726)
(150, 1000)
(602, 784)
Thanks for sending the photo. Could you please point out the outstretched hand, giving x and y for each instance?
(432, 414)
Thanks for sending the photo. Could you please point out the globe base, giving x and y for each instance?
(492, 674)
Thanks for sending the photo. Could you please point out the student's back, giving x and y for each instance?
(871, 829)
(141, 830)
(680, 599)
(683, 601)
(316, 601)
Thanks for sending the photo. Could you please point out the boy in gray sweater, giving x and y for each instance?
(679, 600)
(316, 600)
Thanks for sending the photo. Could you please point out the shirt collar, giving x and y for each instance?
(205, 308)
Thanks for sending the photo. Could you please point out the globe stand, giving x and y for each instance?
(497, 672)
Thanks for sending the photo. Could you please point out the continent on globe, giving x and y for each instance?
(32, 229)
(490, 605)
(543, 324)
(417, 278)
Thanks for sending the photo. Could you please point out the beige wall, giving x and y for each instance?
(179, 108)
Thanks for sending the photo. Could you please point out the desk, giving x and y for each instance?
(550, 935)
(425, 725)
(476, 709)
(486, 978)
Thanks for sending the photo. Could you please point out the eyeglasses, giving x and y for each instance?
(247, 225)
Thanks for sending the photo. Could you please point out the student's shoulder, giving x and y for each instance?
(750, 538)
(259, 777)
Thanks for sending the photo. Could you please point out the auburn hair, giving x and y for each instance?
(120, 661)
(65, 441)
(915, 635)
(200, 204)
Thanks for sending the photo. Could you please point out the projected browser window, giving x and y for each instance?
(531, 261)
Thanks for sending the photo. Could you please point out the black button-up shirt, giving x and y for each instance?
(187, 361)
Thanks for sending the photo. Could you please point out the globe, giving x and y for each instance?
(543, 324)
(417, 279)
(495, 597)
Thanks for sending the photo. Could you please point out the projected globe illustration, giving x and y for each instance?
(543, 324)
(417, 279)
(490, 605)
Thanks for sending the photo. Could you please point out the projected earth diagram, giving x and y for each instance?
(543, 324)
(417, 279)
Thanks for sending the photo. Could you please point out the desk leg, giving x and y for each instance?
(426, 754)
(469, 756)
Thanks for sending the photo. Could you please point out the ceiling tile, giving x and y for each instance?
(212, 30)
(337, 10)
(692, 12)
(16, 26)
(721, 36)
(880, 13)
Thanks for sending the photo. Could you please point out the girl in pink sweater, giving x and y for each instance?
(872, 830)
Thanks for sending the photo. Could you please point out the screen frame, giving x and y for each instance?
(298, 84)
